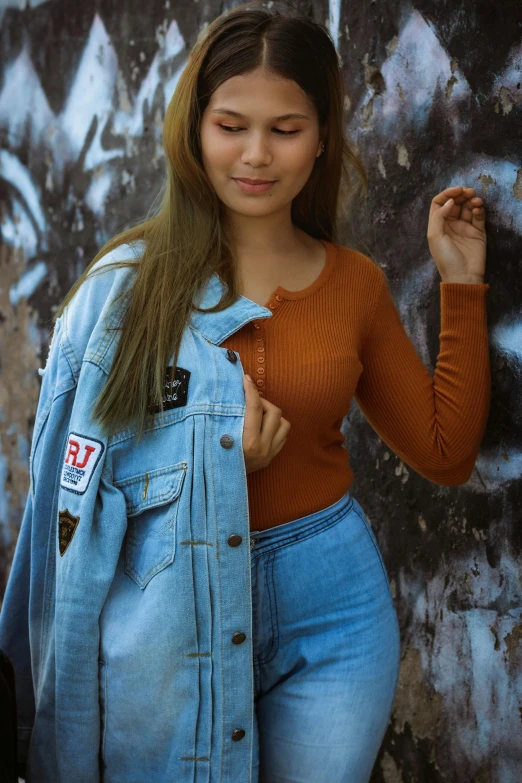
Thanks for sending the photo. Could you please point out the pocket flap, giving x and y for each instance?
(152, 488)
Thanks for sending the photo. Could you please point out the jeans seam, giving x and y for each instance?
(365, 523)
(269, 577)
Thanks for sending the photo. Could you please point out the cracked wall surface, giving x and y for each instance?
(433, 98)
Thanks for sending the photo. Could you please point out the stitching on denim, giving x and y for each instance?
(323, 525)
(173, 417)
(69, 362)
(71, 359)
(156, 568)
(194, 758)
(104, 687)
(274, 627)
(166, 560)
(68, 342)
(139, 478)
(157, 500)
(218, 576)
(35, 439)
(137, 540)
(106, 340)
(197, 685)
(376, 547)
(49, 585)
(111, 320)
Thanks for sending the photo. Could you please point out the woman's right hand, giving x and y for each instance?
(265, 430)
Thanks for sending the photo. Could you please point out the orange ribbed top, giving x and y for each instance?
(342, 337)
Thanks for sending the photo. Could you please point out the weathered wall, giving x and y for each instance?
(433, 98)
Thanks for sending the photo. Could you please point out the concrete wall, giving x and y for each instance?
(433, 98)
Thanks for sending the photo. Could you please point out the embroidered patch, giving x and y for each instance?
(176, 390)
(66, 529)
(81, 457)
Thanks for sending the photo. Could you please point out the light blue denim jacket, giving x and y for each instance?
(127, 614)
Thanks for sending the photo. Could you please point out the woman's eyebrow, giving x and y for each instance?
(293, 116)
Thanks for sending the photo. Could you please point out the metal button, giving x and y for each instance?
(238, 734)
(238, 637)
(227, 441)
(260, 370)
(234, 540)
(231, 356)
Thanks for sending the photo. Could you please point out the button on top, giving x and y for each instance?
(227, 441)
(231, 356)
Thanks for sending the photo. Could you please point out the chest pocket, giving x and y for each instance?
(152, 500)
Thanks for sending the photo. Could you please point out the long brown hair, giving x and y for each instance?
(185, 240)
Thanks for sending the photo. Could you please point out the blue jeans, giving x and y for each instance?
(326, 648)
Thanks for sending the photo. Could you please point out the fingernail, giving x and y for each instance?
(248, 376)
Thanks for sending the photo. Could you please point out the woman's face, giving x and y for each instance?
(255, 144)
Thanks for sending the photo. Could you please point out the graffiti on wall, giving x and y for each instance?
(72, 176)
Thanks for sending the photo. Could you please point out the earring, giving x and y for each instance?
(322, 148)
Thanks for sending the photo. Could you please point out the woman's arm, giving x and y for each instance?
(434, 424)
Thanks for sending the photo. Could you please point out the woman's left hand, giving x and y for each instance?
(457, 235)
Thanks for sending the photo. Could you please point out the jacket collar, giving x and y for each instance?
(216, 327)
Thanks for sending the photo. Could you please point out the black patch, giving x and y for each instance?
(176, 390)
(67, 528)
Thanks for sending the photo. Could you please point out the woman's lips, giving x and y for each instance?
(248, 187)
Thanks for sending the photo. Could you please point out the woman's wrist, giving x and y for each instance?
(477, 279)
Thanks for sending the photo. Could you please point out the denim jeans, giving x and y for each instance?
(326, 648)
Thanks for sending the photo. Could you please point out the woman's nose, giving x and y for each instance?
(257, 152)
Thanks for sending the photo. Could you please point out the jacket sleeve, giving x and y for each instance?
(15, 613)
(67, 549)
(84, 575)
(434, 424)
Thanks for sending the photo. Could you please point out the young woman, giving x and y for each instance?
(195, 594)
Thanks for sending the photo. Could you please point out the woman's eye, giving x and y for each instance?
(233, 129)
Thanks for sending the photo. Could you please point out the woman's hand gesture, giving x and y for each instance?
(265, 430)
(457, 235)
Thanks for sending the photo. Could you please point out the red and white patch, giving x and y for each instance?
(81, 457)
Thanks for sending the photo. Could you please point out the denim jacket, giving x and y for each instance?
(127, 613)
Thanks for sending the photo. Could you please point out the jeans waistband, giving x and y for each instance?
(300, 526)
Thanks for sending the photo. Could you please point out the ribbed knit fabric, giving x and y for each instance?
(342, 337)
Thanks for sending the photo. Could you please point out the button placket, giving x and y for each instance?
(273, 303)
